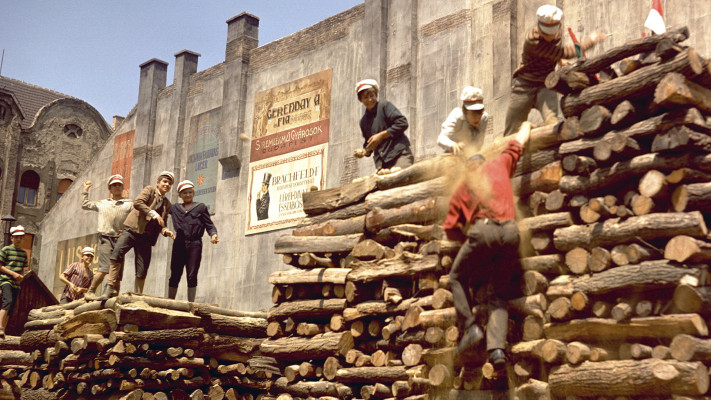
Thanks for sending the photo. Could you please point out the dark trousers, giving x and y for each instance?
(526, 95)
(186, 254)
(404, 160)
(141, 245)
(9, 295)
(488, 256)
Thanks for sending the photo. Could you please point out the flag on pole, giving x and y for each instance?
(655, 19)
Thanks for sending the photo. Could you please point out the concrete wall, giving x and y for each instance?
(421, 52)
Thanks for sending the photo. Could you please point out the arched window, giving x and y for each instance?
(5, 112)
(73, 131)
(62, 187)
(29, 183)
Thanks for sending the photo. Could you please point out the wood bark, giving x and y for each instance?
(646, 227)
(420, 212)
(161, 337)
(595, 120)
(307, 309)
(314, 389)
(633, 85)
(100, 322)
(420, 172)
(692, 299)
(315, 347)
(371, 374)
(158, 318)
(694, 196)
(237, 326)
(611, 378)
(315, 275)
(321, 201)
(316, 244)
(333, 227)
(675, 89)
(684, 248)
(546, 222)
(549, 264)
(596, 329)
(406, 265)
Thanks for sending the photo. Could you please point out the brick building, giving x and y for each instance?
(46, 139)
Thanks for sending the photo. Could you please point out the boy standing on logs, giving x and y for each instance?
(464, 129)
(190, 220)
(542, 50)
(13, 266)
(78, 276)
(481, 214)
(383, 127)
(140, 233)
(112, 212)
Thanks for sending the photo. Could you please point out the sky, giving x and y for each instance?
(92, 49)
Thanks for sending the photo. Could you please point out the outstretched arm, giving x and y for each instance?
(524, 133)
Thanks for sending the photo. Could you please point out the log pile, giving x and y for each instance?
(137, 347)
(613, 288)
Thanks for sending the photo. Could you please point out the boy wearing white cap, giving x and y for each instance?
(542, 50)
(190, 220)
(13, 266)
(112, 212)
(141, 228)
(78, 277)
(383, 127)
(464, 129)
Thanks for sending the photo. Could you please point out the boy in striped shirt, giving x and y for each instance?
(13, 266)
(78, 276)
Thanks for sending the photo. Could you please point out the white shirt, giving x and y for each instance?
(456, 129)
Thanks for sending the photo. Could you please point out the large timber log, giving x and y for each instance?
(177, 305)
(643, 328)
(691, 299)
(307, 309)
(420, 172)
(289, 244)
(161, 337)
(689, 348)
(371, 374)
(635, 85)
(545, 179)
(142, 314)
(623, 171)
(351, 211)
(316, 275)
(318, 389)
(546, 222)
(642, 129)
(406, 265)
(675, 89)
(334, 227)
(36, 339)
(101, 322)
(321, 201)
(694, 196)
(403, 195)
(375, 308)
(205, 309)
(612, 378)
(614, 231)
(318, 347)
(237, 326)
(684, 248)
(420, 212)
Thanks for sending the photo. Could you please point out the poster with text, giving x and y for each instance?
(122, 159)
(203, 155)
(288, 150)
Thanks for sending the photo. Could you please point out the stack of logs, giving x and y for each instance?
(136, 347)
(614, 287)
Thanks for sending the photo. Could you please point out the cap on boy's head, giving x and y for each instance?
(472, 98)
(477, 158)
(115, 179)
(267, 178)
(186, 184)
(168, 175)
(366, 84)
(549, 17)
(18, 230)
(87, 251)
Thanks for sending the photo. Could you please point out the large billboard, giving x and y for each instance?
(289, 150)
(123, 158)
(203, 155)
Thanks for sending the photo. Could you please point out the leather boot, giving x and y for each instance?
(191, 293)
(172, 292)
(91, 293)
(138, 285)
(109, 292)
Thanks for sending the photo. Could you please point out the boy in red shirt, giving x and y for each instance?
(481, 214)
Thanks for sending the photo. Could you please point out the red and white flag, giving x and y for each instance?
(655, 19)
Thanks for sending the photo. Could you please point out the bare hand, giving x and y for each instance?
(214, 239)
(375, 140)
(160, 221)
(598, 36)
(169, 234)
(359, 153)
(18, 277)
(457, 148)
(87, 185)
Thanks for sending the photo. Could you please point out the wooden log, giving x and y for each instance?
(631, 86)
(661, 352)
(645, 227)
(578, 164)
(577, 260)
(310, 260)
(371, 374)
(675, 89)
(533, 282)
(684, 248)
(600, 259)
(422, 171)
(627, 113)
(315, 347)
(549, 264)
(407, 265)
(595, 329)
(695, 196)
(545, 179)
(321, 201)
(689, 348)
(611, 378)
(533, 390)
(682, 138)
(316, 389)
(640, 130)
(400, 196)
(316, 244)
(307, 309)
(36, 339)
(162, 337)
(375, 308)
(640, 351)
(532, 328)
(577, 352)
(420, 212)
(560, 309)
(100, 322)
(237, 326)
(546, 222)
(688, 175)
(692, 299)
(316, 275)
(370, 249)
(376, 391)
(595, 120)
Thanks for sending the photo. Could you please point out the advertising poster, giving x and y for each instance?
(288, 152)
(123, 158)
(203, 155)
(69, 252)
